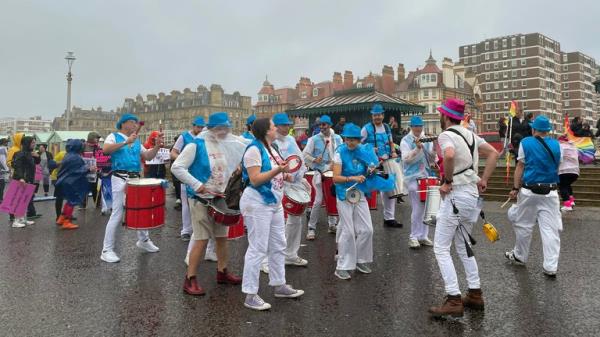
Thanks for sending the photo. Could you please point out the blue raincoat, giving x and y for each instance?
(72, 182)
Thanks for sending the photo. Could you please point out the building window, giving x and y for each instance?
(566, 86)
(359, 85)
(426, 93)
(487, 66)
(496, 85)
(466, 60)
(473, 49)
(504, 53)
(505, 74)
(523, 62)
(504, 43)
(315, 92)
(506, 95)
(495, 65)
(565, 77)
(567, 103)
(565, 58)
(523, 72)
(513, 63)
(303, 94)
(487, 85)
(487, 46)
(505, 64)
(514, 73)
(523, 83)
(522, 40)
(524, 104)
(565, 68)
(487, 76)
(488, 97)
(566, 94)
(495, 55)
(496, 76)
(513, 41)
(515, 94)
(524, 94)
(495, 44)
(495, 106)
(505, 85)
(523, 53)
(514, 84)
(466, 50)
(505, 105)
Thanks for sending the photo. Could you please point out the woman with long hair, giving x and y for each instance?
(264, 171)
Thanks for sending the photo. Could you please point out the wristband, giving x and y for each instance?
(515, 188)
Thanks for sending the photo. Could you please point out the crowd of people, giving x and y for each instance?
(342, 165)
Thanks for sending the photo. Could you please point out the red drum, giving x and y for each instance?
(236, 231)
(295, 199)
(144, 203)
(330, 199)
(423, 183)
(309, 177)
(221, 214)
(372, 201)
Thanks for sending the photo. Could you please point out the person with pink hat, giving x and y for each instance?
(460, 206)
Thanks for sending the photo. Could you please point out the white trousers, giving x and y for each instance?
(266, 239)
(546, 210)
(354, 234)
(116, 217)
(293, 236)
(446, 230)
(316, 209)
(186, 218)
(418, 230)
(389, 206)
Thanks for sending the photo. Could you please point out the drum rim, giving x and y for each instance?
(326, 174)
(297, 201)
(230, 212)
(132, 182)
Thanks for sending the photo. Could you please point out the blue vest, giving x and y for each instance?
(379, 140)
(187, 138)
(200, 168)
(319, 150)
(248, 135)
(127, 158)
(539, 166)
(265, 189)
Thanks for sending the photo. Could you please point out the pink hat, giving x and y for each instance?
(453, 108)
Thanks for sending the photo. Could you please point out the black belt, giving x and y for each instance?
(541, 188)
(203, 201)
(126, 174)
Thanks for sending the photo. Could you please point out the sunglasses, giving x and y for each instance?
(324, 124)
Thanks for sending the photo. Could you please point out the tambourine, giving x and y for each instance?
(294, 163)
(352, 195)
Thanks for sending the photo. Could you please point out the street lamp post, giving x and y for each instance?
(70, 59)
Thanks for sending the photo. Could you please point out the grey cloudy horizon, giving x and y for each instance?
(128, 47)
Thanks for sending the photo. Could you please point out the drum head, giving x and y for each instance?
(144, 181)
(220, 205)
(297, 193)
(328, 174)
(353, 196)
(294, 163)
(309, 173)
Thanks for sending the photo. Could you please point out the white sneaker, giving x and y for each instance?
(264, 268)
(256, 303)
(210, 256)
(311, 234)
(298, 261)
(109, 256)
(413, 243)
(566, 209)
(147, 245)
(29, 222)
(18, 224)
(426, 242)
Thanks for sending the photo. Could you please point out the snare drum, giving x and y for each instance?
(432, 205)
(295, 199)
(392, 166)
(144, 203)
(423, 183)
(309, 175)
(328, 196)
(217, 209)
(236, 231)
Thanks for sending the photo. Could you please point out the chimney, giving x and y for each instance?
(387, 79)
(401, 74)
(348, 80)
(338, 83)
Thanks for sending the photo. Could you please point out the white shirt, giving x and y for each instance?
(179, 142)
(110, 139)
(310, 147)
(252, 158)
(287, 146)
(462, 154)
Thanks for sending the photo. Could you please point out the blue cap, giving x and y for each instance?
(281, 119)
(218, 119)
(416, 121)
(199, 121)
(250, 119)
(377, 109)
(541, 123)
(351, 131)
(326, 119)
(125, 118)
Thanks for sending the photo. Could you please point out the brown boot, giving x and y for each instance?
(473, 299)
(453, 306)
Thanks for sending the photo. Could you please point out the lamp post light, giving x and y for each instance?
(70, 59)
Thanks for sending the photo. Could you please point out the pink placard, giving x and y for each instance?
(16, 198)
(38, 173)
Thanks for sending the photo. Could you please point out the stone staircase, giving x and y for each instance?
(586, 189)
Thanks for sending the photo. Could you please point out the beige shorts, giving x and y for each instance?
(203, 226)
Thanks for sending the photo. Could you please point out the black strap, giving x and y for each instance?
(471, 149)
(539, 139)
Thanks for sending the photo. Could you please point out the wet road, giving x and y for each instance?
(52, 283)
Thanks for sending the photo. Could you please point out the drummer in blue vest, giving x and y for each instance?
(416, 160)
(379, 135)
(535, 188)
(126, 153)
(248, 134)
(318, 155)
(183, 140)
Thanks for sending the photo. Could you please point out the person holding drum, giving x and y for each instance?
(248, 133)
(353, 165)
(184, 139)
(318, 155)
(205, 166)
(126, 153)
(264, 171)
(379, 136)
(459, 209)
(416, 160)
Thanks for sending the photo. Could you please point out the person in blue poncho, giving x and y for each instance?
(72, 183)
(353, 168)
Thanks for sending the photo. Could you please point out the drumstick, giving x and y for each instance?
(324, 148)
(506, 202)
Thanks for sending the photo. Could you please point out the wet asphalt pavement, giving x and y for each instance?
(53, 283)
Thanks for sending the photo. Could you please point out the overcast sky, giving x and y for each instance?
(126, 47)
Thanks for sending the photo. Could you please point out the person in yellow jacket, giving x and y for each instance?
(16, 147)
(58, 203)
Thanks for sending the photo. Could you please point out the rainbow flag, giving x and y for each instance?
(513, 109)
(584, 145)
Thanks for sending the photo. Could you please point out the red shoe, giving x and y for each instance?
(61, 220)
(67, 224)
(191, 286)
(226, 277)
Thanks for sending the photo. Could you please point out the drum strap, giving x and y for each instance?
(471, 149)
